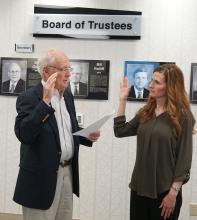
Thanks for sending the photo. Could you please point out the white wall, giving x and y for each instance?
(168, 34)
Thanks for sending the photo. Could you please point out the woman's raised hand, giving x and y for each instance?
(124, 88)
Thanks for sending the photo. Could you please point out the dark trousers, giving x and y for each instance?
(144, 208)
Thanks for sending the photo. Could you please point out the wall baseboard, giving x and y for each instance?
(8, 216)
(193, 209)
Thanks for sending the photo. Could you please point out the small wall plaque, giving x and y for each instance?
(24, 48)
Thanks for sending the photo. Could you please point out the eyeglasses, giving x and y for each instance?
(63, 69)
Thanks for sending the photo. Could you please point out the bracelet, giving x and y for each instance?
(176, 188)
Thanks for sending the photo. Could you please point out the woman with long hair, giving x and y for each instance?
(164, 127)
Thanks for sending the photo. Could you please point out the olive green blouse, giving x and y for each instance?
(161, 158)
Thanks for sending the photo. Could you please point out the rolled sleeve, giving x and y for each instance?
(184, 151)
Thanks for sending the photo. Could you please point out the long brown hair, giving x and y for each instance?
(177, 101)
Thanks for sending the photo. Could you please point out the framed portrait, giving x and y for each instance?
(13, 74)
(17, 75)
(79, 78)
(139, 74)
(89, 79)
(193, 83)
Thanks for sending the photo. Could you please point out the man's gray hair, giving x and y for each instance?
(46, 59)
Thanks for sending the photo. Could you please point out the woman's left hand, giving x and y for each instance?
(168, 204)
(94, 136)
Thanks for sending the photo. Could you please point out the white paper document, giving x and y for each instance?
(94, 126)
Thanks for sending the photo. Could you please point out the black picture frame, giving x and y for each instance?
(18, 73)
(29, 75)
(145, 69)
(95, 79)
(193, 83)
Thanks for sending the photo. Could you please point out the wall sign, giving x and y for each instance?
(86, 23)
(24, 48)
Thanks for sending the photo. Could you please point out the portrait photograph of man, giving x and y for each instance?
(140, 80)
(79, 79)
(13, 76)
(139, 76)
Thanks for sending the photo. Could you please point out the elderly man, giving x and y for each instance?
(77, 87)
(15, 84)
(48, 174)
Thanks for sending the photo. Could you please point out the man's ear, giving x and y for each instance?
(45, 73)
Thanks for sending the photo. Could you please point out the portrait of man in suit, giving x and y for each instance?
(138, 89)
(14, 83)
(77, 86)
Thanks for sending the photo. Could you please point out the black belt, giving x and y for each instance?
(65, 163)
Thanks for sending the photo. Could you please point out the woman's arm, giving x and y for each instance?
(124, 92)
(121, 127)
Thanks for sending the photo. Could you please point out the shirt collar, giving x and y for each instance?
(137, 91)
